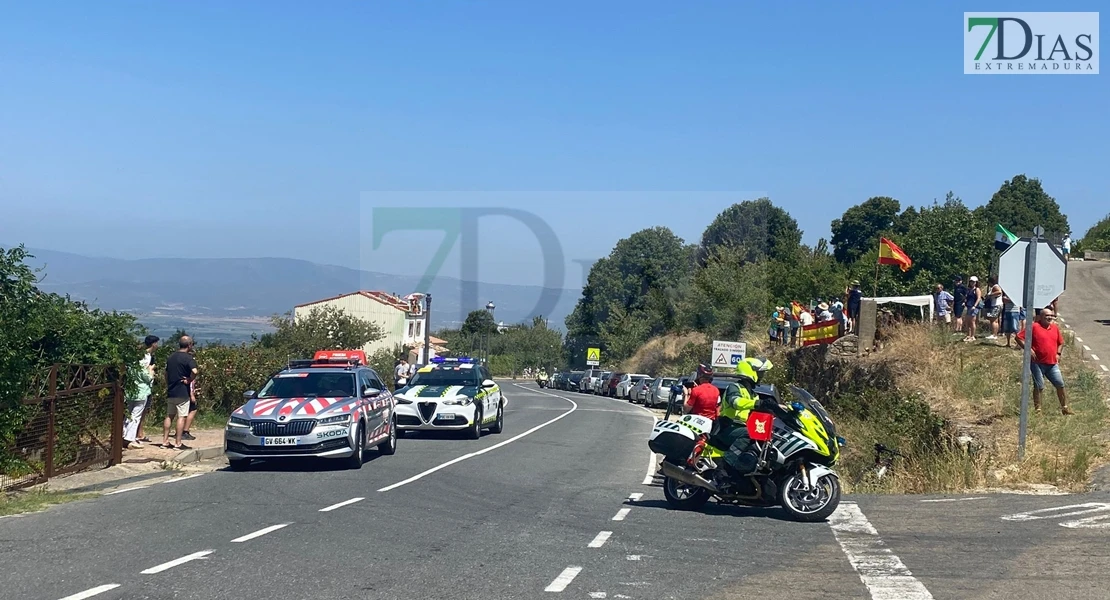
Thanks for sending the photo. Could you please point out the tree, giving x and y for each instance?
(730, 293)
(1022, 204)
(946, 240)
(757, 227)
(811, 273)
(479, 322)
(1097, 238)
(859, 229)
(323, 328)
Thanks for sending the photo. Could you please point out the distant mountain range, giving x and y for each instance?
(228, 298)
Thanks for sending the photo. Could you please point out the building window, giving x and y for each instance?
(418, 329)
(410, 329)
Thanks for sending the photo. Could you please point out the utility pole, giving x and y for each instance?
(427, 329)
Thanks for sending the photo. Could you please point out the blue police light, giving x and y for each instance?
(841, 441)
(460, 359)
(797, 406)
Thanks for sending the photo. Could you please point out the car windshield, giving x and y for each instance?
(310, 385)
(638, 378)
(668, 382)
(446, 376)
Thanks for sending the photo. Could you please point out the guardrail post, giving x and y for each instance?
(51, 413)
(117, 418)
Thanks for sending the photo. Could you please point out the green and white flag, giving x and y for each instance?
(1003, 238)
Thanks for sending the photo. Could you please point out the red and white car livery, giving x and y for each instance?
(333, 406)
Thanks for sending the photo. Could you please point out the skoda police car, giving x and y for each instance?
(451, 394)
(333, 406)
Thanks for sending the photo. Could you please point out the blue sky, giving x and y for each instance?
(218, 129)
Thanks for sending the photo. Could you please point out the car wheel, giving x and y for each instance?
(239, 464)
(475, 432)
(389, 446)
(499, 425)
(354, 461)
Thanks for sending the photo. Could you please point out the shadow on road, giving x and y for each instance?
(722, 510)
(301, 465)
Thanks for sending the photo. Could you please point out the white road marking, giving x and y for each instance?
(1104, 368)
(633, 557)
(1086, 347)
(1054, 512)
(635, 497)
(341, 504)
(177, 479)
(563, 580)
(621, 514)
(1080, 340)
(89, 593)
(130, 489)
(1088, 523)
(1066, 325)
(177, 562)
(652, 467)
(600, 540)
(260, 532)
(598, 594)
(884, 574)
(1095, 357)
(574, 407)
(956, 499)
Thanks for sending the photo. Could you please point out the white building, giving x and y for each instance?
(402, 319)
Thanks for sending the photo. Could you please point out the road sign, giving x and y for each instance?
(1048, 283)
(727, 354)
(593, 357)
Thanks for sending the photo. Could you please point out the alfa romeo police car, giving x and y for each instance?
(333, 406)
(451, 394)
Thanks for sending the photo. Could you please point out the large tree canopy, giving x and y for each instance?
(1022, 204)
(757, 228)
(858, 230)
(1097, 238)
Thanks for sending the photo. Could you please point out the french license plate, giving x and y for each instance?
(279, 441)
(446, 416)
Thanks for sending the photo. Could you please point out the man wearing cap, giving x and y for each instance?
(855, 300)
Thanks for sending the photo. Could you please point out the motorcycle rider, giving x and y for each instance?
(704, 399)
(739, 401)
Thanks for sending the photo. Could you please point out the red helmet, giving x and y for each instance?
(703, 371)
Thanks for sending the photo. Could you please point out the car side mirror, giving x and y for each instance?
(249, 395)
(371, 393)
(489, 383)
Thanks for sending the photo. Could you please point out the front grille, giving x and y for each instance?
(427, 409)
(276, 428)
(407, 420)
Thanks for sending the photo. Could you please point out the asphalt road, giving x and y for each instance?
(1085, 308)
(560, 505)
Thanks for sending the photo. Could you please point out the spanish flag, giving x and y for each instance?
(891, 254)
(825, 332)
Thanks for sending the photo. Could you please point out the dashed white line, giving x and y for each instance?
(89, 593)
(598, 595)
(1079, 339)
(574, 407)
(341, 504)
(884, 574)
(635, 497)
(956, 499)
(130, 489)
(1104, 368)
(1054, 512)
(260, 533)
(1086, 347)
(632, 557)
(600, 539)
(563, 580)
(621, 514)
(1095, 357)
(177, 562)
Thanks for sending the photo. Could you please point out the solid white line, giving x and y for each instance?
(563, 580)
(484, 450)
(621, 514)
(178, 561)
(260, 532)
(633, 557)
(956, 499)
(1095, 357)
(652, 467)
(130, 489)
(89, 593)
(341, 504)
(600, 540)
(635, 497)
(884, 574)
(1088, 523)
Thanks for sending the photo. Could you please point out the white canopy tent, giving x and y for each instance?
(922, 302)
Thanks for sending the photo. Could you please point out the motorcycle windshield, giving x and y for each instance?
(814, 406)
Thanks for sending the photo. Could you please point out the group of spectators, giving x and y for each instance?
(787, 322)
(181, 399)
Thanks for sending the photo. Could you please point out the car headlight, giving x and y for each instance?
(345, 418)
(460, 401)
(238, 422)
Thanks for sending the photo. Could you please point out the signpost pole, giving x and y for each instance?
(1027, 353)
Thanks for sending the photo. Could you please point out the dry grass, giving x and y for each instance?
(664, 353)
(976, 389)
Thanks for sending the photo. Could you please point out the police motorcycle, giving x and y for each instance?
(795, 444)
(542, 379)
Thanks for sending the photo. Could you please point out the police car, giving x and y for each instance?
(333, 406)
(453, 394)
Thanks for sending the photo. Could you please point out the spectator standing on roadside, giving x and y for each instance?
(972, 302)
(1048, 343)
(855, 300)
(181, 368)
(185, 435)
(151, 342)
(1011, 318)
(994, 308)
(959, 303)
(136, 404)
(401, 371)
(944, 304)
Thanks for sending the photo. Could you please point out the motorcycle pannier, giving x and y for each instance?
(672, 440)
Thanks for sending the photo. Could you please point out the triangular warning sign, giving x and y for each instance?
(720, 359)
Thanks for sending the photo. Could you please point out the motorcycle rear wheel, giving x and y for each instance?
(684, 497)
(810, 506)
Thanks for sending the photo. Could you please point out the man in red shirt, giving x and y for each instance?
(1048, 343)
(704, 398)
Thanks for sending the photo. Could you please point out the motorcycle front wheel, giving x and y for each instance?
(684, 497)
(812, 505)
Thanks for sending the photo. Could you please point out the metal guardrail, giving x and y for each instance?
(1092, 255)
(72, 420)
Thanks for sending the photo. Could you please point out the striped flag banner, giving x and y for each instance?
(824, 332)
(1003, 238)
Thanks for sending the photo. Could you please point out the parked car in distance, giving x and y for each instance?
(600, 382)
(624, 388)
(610, 388)
(660, 392)
(586, 384)
(639, 391)
(574, 378)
